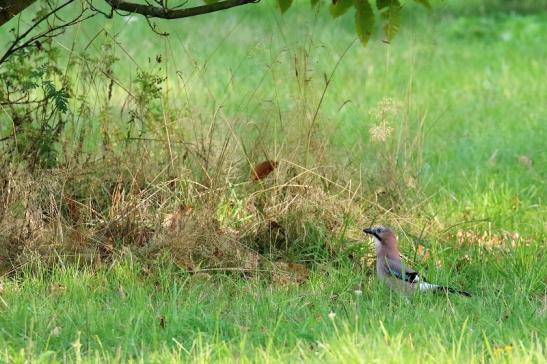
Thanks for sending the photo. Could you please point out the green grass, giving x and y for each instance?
(477, 78)
(121, 313)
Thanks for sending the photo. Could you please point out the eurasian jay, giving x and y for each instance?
(393, 271)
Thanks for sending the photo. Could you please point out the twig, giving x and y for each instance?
(165, 13)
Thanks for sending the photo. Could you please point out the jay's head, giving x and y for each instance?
(382, 236)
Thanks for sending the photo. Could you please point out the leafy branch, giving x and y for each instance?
(365, 15)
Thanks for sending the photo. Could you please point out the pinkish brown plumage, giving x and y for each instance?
(391, 270)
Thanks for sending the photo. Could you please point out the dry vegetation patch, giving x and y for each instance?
(280, 223)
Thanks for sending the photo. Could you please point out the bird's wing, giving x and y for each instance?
(396, 269)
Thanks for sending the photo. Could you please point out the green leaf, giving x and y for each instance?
(29, 85)
(314, 3)
(210, 1)
(364, 20)
(60, 97)
(390, 11)
(340, 7)
(284, 5)
(61, 100)
(49, 87)
(425, 3)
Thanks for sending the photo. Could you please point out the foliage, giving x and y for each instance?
(390, 11)
(48, 22)
(364, 20)
(37, 105)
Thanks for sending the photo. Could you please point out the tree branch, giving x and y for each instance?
(9, 8)
(165, 13)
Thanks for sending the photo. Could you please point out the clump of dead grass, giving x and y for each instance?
(250, 226)
(215, 213)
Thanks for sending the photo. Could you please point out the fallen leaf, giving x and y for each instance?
(489, 239)
(463, 261)
(174, 220)
(515, 203)
(56, 331)
(57, 288)
(300, 270)
(318, 317)
(525, 161)
(380, 191)
(263, 169)
(73, 208)
(500, 349)
(423, 253)
(289, 273)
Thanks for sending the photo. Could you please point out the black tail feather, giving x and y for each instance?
(452, 290)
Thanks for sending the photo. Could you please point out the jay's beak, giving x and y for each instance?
(372, 232)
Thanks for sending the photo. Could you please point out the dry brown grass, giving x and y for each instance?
(246, 226)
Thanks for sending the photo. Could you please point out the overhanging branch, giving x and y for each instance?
(166, 13)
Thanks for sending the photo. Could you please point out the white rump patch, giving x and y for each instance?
(424, 286)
